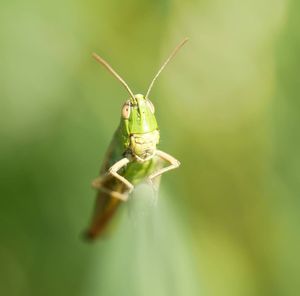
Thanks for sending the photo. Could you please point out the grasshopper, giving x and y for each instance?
(132, 156)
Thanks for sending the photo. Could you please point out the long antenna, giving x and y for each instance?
(171, 56)
(113, 72)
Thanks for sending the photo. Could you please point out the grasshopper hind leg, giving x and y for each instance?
(107, 202)
(105, 209)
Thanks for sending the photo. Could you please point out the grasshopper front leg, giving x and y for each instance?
(99, 183)
(113, 170)
(174, 163)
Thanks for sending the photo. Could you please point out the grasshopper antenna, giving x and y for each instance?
(171, 56)
(113, 72)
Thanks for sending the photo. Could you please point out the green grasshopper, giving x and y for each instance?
(132, 156)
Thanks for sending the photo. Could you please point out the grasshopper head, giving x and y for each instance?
(138, 115)
(139, 126)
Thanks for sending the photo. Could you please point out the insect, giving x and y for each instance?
(132, 156)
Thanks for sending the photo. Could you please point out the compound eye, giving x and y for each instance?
(126, 110)
(151, 106)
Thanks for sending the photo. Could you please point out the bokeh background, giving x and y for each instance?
(227, 221)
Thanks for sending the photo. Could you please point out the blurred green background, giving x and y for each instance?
(227, 221)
